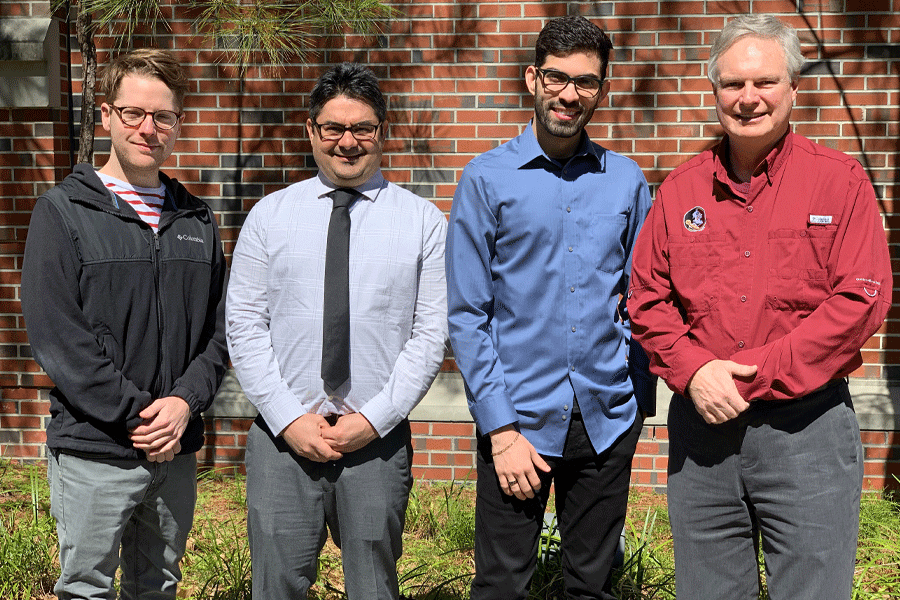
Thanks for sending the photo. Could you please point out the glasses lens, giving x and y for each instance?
(363, 131)
(330, 131)
(165, 119)
(132, 115)
(555, 79)
(587, 84)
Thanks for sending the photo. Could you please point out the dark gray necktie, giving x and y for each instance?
(336, 319)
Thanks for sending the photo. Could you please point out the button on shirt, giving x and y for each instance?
(398, 303)
(789, 272)
(538, 256)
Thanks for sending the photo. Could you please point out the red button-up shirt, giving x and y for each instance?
(789, 272)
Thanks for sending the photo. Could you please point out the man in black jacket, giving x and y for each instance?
(123, 297)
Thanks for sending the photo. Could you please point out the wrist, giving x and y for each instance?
(500, 444)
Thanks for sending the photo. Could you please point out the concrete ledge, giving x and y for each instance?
(23, 38)
(230, 400)
(445, 401)
(877, 402)
(29, 63)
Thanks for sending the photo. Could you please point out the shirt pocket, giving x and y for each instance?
(695, 266)
(109, 345)
(606, 234)
(797, 278)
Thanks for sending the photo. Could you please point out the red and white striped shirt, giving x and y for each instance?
(147, 202)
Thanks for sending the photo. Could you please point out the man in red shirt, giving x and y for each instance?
(759, 274)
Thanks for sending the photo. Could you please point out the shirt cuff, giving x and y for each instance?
(381, 414)
(687, 366)
(493, 412)
(281, 412)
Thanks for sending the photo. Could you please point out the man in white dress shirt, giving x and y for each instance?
(331, 446)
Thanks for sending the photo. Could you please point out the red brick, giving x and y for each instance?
(640, 477)
(642, 462)
(647, 448)
(230, 454)
(460, 474)
(873, 437)
(34, 408)
(454, 429)
(19, 422)
(874, 483)
(439, 459)
(21, 451)
(462, 460)
(420, 428)
(432, 473)
(37, 436)
(435, 443)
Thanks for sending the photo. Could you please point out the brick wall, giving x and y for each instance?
(446, 452)
(454, 74)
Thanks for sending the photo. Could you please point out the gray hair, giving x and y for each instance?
(763, 26)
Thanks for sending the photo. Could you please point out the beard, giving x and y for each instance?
(553, 126)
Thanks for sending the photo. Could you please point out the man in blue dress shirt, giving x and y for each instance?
(538, 260)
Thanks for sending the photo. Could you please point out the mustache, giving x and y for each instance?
(576, 107)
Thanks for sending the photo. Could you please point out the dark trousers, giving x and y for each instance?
(791, 471)
(591, 499)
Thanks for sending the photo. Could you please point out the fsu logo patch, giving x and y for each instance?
(695, 219)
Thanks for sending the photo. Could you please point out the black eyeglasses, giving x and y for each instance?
(332, 132)
(587, 86)
(133, 116)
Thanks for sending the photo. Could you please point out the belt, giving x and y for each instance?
(830, 384)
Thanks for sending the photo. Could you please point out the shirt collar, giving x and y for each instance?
(769, 168)
(368, 190)
(530, 150)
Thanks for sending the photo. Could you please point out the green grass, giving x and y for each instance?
(28, 548)
(437, 563)
(878, 551)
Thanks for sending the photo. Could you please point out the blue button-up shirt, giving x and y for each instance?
(538, 260)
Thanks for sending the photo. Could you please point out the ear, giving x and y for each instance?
(309, 128)
(531, 79)
(105, 111)
(795, 85)
(604, 91)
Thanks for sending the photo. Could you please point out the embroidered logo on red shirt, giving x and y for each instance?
(695, 219)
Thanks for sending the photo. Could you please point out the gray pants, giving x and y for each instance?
(790, 472)
(114, 511)
(361, 498)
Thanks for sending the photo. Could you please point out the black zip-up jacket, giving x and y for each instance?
(118, 316)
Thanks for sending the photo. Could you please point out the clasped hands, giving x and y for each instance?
(714, 393)
(312, 437)
(159, 436)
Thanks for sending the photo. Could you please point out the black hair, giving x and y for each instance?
(566, 35)
(352, 80)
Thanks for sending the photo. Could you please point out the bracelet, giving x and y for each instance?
(515, 439)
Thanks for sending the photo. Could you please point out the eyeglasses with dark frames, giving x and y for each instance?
(587, 86)
(133, 116)
(332, 132)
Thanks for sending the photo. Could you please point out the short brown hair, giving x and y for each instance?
(146, 62)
